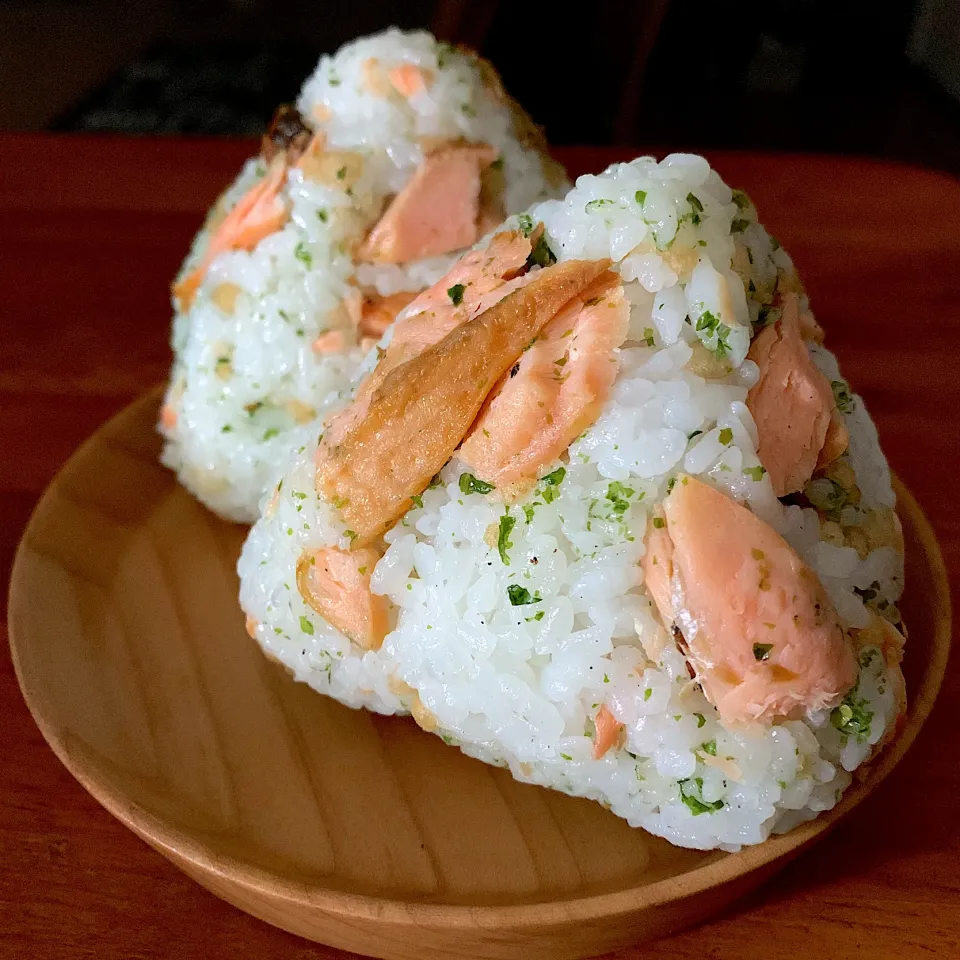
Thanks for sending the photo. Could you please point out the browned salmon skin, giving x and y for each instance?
(418, 415)
(758, 628)
(477, 281)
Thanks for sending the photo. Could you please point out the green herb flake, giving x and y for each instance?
(538, 616)
(351, 535)
(306, 626)
(711, 326)
(226, 428)
(659, 523)
(470, 484)
(322, 215)
(303, 254)
(701, 720)
(648, 336)
(270, 433)
(648, 693)
(555, 477)
(694, 202)
(528, 509)
(761, 651)
(504, 543)
(521, 596)
(341, 173)
(709, 748)
(691, 793)
(842, 396)
(525, 223)
(640, 196)
(542, 255)
(740, 199)
(597, 204)
(739, 225)
(455, 293)
(566, 756)
(726, 436)
(619, 496)
(852, 717)
(754, 473)
(417, 500)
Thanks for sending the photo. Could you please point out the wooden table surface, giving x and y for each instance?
(92, 230)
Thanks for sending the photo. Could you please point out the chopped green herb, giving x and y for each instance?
(619, 496)
(566, 756)
(852, 717)
(648, 336)
(417, 500)
(726, 436)
(521, 596)
(741, 199)
(701, 720)
(841, 396)
(542, 255)
(306, 626)
(549, 483)
(692, 796)
(351, 535)
(528, 509)
(470, 484)
(525, 223)
(341, 173)
(659, 523)
(826, 495)
(739, 225)
(761, 651)
(303, 255)
(709, 748)
(539, 615)
(713, 326)
(754, 473)
(322, 215)
(435, 482)
(695, 202)
(270, 433)
(596, 204)
(648, 693)
(455, 293)
(640, 196)
(497, 164)
(226, 428)
(504, 543)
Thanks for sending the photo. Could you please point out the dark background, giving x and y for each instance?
(795, 75)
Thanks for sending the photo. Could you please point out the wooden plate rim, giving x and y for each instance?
(180, 846)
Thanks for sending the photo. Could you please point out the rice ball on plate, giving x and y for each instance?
(400, 153)
(618, 523)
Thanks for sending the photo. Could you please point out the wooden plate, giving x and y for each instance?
(355, 830)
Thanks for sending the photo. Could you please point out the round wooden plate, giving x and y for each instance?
(356, 830)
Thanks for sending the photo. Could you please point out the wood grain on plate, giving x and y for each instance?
(89, 241)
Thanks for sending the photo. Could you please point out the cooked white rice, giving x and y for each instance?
(519, 685)
(246, 378)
